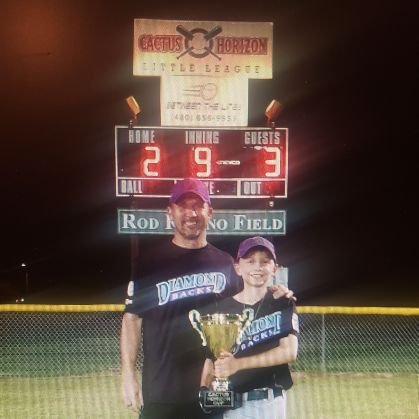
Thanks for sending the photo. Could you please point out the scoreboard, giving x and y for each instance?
(234, 163)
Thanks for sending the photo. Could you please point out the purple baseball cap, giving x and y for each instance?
(253, 242)
(189, 185)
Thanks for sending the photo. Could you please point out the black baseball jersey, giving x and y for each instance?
(273, 320)
(163, 293)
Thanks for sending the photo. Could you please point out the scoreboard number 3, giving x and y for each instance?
(276, 162)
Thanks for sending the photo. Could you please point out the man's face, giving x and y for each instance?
(256, 268)
(190, 216)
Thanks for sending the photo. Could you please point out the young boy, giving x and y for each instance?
(259, 367)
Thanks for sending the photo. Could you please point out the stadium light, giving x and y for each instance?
(134, 108)
(272, 112)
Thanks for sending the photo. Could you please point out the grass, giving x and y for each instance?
(349, 395)
(314, 395)
(80, 397)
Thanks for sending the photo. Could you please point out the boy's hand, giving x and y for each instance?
(226, 365)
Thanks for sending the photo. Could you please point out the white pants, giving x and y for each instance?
(272, 408)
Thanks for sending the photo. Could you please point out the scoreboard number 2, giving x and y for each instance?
(155, 160)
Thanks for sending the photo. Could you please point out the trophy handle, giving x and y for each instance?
(195, 319)
(246, 319)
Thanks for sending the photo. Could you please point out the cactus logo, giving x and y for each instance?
(199, 42)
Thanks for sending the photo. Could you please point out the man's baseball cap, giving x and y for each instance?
(192, 186)
(253, 242)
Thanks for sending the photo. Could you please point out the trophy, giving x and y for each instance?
(221, 332)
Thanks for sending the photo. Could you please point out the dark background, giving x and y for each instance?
(346, 73)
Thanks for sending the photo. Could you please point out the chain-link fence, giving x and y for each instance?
(358, 343)
(63, 362)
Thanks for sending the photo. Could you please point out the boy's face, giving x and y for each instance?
(256, 268)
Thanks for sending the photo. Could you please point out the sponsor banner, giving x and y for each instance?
(223, 222)
(204, 101)
(181, 47)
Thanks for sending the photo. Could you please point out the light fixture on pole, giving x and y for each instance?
(272, 112)
(134, 108)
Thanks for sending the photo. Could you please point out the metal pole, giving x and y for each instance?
(26, 282)
(323, 345)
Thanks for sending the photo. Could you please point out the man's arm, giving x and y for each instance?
(284, 353)
(129, 345)
(279, 290)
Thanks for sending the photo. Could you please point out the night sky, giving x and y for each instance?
(345, 72)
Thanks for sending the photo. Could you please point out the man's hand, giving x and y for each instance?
(132, 394)
(279, 290)
(226, 365)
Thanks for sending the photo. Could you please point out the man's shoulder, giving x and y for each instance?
(282, 303)
(218, 252)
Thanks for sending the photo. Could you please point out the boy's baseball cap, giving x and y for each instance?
(257, 241)
(189, 185)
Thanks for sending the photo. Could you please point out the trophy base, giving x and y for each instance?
(220, 396)
(218, 399)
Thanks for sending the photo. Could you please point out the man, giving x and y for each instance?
(185, 274)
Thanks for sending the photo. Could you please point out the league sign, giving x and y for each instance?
(181, 47)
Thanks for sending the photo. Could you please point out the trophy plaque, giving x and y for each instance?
(220, 332)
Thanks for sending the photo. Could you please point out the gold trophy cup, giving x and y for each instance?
(220, 332)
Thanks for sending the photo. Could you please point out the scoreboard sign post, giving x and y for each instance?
(233, 163)
(204, 69)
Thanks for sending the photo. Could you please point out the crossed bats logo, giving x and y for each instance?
(199, 42)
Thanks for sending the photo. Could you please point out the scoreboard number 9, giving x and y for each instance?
(202, 157)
